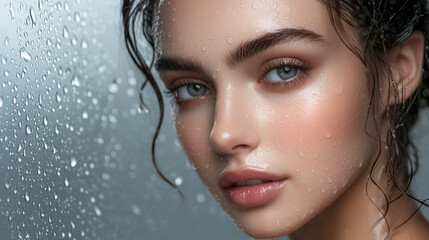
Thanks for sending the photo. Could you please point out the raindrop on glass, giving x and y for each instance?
(45, 121)
(73, 162)
(113, 87)
(65, 32)
(75, 81)
(178, 181)
(33, 15)
(28, 130)
(97, 211)
(136, 210)
(1, 101)
(84, 44)
(66, 182)
(24, 54)
(3, 60)
(6, 41)
(84, 115)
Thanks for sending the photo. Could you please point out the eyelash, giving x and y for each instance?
(170, 91)
(277, 63)
(282, 63)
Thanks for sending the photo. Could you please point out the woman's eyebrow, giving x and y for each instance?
(252, 47)
(178, 64)
(244, 50)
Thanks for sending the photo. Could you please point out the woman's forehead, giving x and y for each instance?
(204, 25)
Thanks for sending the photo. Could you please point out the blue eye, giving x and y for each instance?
(191, 91)
(282, 74)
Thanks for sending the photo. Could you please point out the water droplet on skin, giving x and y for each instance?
(328, 134)
(27, 130)
(73, 162)
(255, 6)
(301, 153)
(178, 181)
(229, 40)
(327, 169)
(65, 32)
(204, 48)
(24, 54)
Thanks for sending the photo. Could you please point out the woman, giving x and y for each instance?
(295, 114)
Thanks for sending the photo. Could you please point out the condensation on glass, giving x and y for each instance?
(74, 158)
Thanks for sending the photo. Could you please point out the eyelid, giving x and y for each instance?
(284, 62)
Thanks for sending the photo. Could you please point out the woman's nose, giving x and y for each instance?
(233, 129)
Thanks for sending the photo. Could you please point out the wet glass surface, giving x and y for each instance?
(74, 159)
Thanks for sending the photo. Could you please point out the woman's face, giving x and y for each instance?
(271, 106)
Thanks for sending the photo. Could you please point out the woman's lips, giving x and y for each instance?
(250, 188)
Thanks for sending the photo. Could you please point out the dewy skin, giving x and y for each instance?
(271, 109)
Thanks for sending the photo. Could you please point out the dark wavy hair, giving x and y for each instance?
(379, 25)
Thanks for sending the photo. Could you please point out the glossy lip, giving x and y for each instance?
(250, 196)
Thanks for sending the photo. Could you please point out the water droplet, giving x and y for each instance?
(45, 121)
(7, 185)
(40, 4)
(84, 44)
(327, 169)
(6, 41)
(328, 134)
(58, 97)
(301, 153)
(3, 60)
(204, 48)
(65, 32)
(113, 87)
(84, 115)
(1, 101)
(33, 16)
(73, 162)
(97, 211)
(178, 181)
(24, 54)
(27, 197)
(75, 81)
(74, 41)
(136, 210)
(201, 198)
(66, 182)
(28, 130)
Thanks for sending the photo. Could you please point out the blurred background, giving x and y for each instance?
(75, 145)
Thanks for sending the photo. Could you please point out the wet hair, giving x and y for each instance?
(379, 25)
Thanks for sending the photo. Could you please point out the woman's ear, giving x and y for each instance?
(406, 61)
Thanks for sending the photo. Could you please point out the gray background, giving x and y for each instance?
(74, 159)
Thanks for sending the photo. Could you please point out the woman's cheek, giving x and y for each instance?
(193, 128)
(322, 134)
